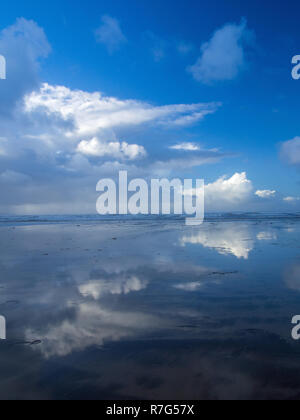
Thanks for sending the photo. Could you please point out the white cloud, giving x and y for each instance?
(194, 117)
(117, 150)
(189, 147)
(227, 193)
(265, 193)
(110, 34)
(85, 123)
(290, 151)
(56, 140)
(60, 136)
(224, 191)
(223, 57)
(91, 112)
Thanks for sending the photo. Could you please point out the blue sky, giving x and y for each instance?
(226, 64)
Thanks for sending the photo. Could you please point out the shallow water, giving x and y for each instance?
(150, 309)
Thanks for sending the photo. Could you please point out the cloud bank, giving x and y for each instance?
(57, 142)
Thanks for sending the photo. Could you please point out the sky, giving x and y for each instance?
(172, 88)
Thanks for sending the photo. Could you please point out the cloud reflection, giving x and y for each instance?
(93, 325)
(113, 320)
(225, 238)
(116, 286)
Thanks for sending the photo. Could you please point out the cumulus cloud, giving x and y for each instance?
(65, 140)
(290, 151)
(118, 150)
(86, 123)
(110, 34)
(229, 191)
(224, 56)
(265, 193)
(56, 140)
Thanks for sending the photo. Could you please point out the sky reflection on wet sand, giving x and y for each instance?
(150, 310)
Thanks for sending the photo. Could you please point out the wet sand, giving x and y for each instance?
(150, 310)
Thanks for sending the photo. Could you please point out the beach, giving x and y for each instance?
(150, 308)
